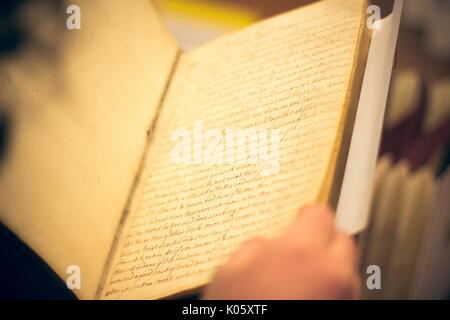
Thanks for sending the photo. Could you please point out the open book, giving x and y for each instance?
(111, 169)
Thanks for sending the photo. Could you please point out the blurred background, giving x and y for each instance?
(410, 207)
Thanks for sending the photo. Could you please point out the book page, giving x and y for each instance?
(207, 187)
(353, 209)
(79, 128)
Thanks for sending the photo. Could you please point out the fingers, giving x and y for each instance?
(244, 255)
(313, 227)
(311, 260)
(343, 248)
(343, 252)
(314, 230)
(356, 292)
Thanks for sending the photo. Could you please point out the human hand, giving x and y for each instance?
(310, 260)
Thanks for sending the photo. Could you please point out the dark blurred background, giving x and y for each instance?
(417, 129)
